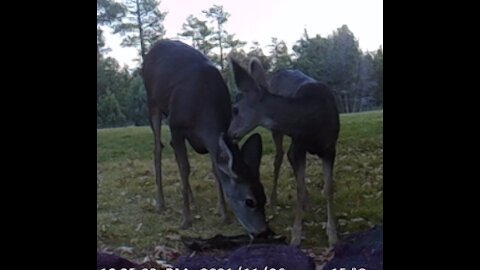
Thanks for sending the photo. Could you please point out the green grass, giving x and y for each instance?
(126, 189)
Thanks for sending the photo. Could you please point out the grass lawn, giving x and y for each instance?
(126, 216)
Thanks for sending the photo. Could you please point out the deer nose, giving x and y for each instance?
(266, 233)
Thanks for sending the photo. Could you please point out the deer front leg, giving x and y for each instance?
(296, 156)
(221, 208)
(190, 193)
(156, 125)
(278, 140)
(184, 167)
(328, 163)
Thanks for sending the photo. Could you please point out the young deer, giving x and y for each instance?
(291, 103)
(183, 85)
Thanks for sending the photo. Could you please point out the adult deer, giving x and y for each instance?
(183, 85)
(291, 103)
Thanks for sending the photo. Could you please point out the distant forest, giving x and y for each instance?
(355, 76)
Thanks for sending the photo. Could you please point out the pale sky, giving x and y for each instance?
(260, 20)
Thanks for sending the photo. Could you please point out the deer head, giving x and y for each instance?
(248, 111)
(240, 178)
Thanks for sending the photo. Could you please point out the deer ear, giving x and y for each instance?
(252, 152)
(257, 71)
(225, 157)
(243, 80)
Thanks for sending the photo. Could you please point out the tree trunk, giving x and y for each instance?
(220, 44)
(345, 97)
(354, 100)
(140, 31)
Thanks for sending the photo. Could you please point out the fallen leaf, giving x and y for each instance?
(124, 249)
(358, 219)
(173, 237)
(166, 253)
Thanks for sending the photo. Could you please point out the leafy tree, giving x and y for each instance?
(313, 56)
(112, 88)
(199, 33)
(217, 15)
(108, 12)
(137, 106)
(232, 43)
(279, 56)
(142, 26)
(366, 86)
(256, 51)
(109, 112)
(107, 70)
(378, 65)
(344, 66)
(334, 60)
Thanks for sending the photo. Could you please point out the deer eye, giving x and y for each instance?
(235, 111)
(250, 203)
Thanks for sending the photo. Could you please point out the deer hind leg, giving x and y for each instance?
(278, 140)
(296, 156)
(180, 150)
(156, 125)
(328, 164)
